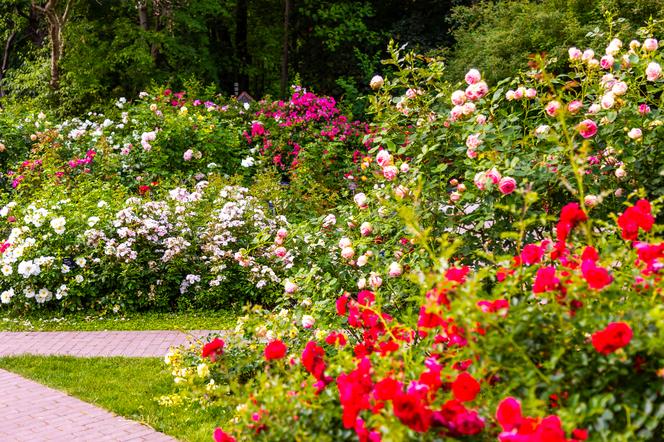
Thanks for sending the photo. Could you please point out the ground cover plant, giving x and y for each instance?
(473, 262)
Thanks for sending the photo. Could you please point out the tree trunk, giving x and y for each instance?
(5, 60)
(241, 44)
(142, 7)
(284, 54)
(56, 53)
(55, 24)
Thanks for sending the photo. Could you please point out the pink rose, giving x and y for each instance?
(531, 93)
(493, 175)
(507, 185)
(552, 108)
(644, 109)
(280, 252)
(361, 200)
(473, 141)
(345, 242)
(290, 287)
(574, 106)
(383, 158)
(619, 88)
(587, 128)
(468, 108)
(390, 172)
(519, 93)
(366, 229)
(456, 113)
(588, 55)
(650, 44)
(480, 180)
(635, 133)
(608, 101)
(473, 76)
(653, 71)
(395, 270)
(574, 53)
(458, 98)
(477, 91)
(607, 62)
(401, 191)
(347, 252)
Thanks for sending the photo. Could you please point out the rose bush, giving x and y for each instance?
(496, 275)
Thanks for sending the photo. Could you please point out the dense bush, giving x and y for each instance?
(499, 37)
(496, 274)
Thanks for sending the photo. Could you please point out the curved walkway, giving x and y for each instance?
(33, 412)
(95, 343)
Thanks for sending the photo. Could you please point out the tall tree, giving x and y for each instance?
(241, 44)
(56, 13)
(284, 53)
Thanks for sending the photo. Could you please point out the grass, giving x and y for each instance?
(137, 321)
(126, 386)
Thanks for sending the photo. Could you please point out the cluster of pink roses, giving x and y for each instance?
(505, 184)
(463, 101)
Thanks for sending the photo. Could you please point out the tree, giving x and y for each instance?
(56, 13)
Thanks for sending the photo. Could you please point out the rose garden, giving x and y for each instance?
(468, 260)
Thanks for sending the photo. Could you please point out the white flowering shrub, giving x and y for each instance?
(209, 246)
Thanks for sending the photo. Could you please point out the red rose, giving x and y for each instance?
(386, 389)
(634, 217)
(580, 434)
(596, 277)
(570, 216)
(468, 423)
(531, 254)
(221, 436)
(509, 414)
(411, 410)
(616, 335)
(342, 303)
(312, 360)
(275, 350)
(457, 274)
(465, 388)
(545, 280)
(336, 338)
(366, 297)
(213, 349)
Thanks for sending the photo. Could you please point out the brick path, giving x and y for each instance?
(98, 343)
(32, 412)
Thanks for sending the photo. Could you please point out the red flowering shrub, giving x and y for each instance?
(616, 335)
(637, 217)
(213, 349)
(275, 350)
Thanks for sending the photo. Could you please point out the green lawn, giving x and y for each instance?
(136, 321)
(126, 386)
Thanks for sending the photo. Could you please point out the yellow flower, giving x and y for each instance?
(203, 370)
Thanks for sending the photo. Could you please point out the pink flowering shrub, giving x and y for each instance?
(590, 134)
(310, 143)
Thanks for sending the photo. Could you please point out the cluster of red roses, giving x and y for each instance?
(519, 428)
(416, 403)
